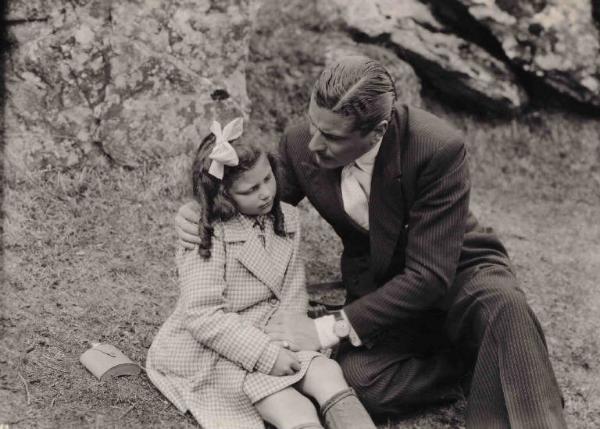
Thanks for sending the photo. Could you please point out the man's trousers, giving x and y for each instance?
(484, 329)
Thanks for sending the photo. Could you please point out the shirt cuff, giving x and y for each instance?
(324, 326)
(354, 339)
(267, 358)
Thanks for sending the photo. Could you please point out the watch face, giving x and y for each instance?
(341, 328)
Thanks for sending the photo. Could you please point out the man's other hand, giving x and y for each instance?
(186, 224)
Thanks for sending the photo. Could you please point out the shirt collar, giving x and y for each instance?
(366, 161)
(259, 222)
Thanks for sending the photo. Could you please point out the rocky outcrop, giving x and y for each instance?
(554, 41)
(291, 43)
(132, 80)
(459, 70)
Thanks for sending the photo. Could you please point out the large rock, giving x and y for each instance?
(458, 69)
(555, 40)
(291, 44)
(134, 80)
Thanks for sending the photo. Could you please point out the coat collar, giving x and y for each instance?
(239, 228)
(268, 264)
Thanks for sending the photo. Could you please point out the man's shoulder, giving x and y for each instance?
(294, 143)
(296, 133)
(424, 125)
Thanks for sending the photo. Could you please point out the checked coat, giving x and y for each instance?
(431, 293)
(211, 356)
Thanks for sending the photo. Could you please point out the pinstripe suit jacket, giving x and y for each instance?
(421, 230)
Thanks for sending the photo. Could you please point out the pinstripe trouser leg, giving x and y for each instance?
(401, 372)
(489, 321)
(513, 383)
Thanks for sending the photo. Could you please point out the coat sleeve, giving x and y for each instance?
(206, 315)
(434, 240)
(295, 293)
(290, 189)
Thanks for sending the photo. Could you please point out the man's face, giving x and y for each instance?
(334, 141)
(254, 191)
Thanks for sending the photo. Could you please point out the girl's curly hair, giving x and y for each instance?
(212, 193)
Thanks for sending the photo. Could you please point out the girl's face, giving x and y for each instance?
(254, 191)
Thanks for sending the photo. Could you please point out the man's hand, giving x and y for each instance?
(297, 329)
(286, 364)
(186, 224)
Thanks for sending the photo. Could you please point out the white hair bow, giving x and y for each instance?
(223, 153)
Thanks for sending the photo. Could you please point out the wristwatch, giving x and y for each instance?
(341, 327)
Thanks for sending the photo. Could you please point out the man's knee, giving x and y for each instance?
(508, 307)
(355, 372)
(362, 379)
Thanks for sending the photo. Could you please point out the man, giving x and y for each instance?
(431, 295)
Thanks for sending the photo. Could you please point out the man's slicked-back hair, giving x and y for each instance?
(359, 87)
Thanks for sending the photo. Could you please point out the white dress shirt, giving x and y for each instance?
(356, 186)
(356, 189)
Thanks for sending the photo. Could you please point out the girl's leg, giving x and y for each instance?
(323, 379)
(289, 409)
(340, 407)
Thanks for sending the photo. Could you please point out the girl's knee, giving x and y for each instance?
(325, 367)
(288, 409)
(324, 373)
(323, 379)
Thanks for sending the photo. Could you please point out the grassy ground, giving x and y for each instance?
(88, 255)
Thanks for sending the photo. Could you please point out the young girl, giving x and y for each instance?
(211, 356)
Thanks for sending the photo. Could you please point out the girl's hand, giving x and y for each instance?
(286, 364)
(287, 345)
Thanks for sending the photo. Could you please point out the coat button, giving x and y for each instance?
(273, 301)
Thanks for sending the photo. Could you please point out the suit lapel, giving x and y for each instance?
(267, 266)
(386, 203)
(326, 183)
(325, 180)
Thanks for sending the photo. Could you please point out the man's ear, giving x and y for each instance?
(379, 130)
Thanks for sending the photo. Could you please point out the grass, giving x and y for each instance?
(88, 257)
(88, 251)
